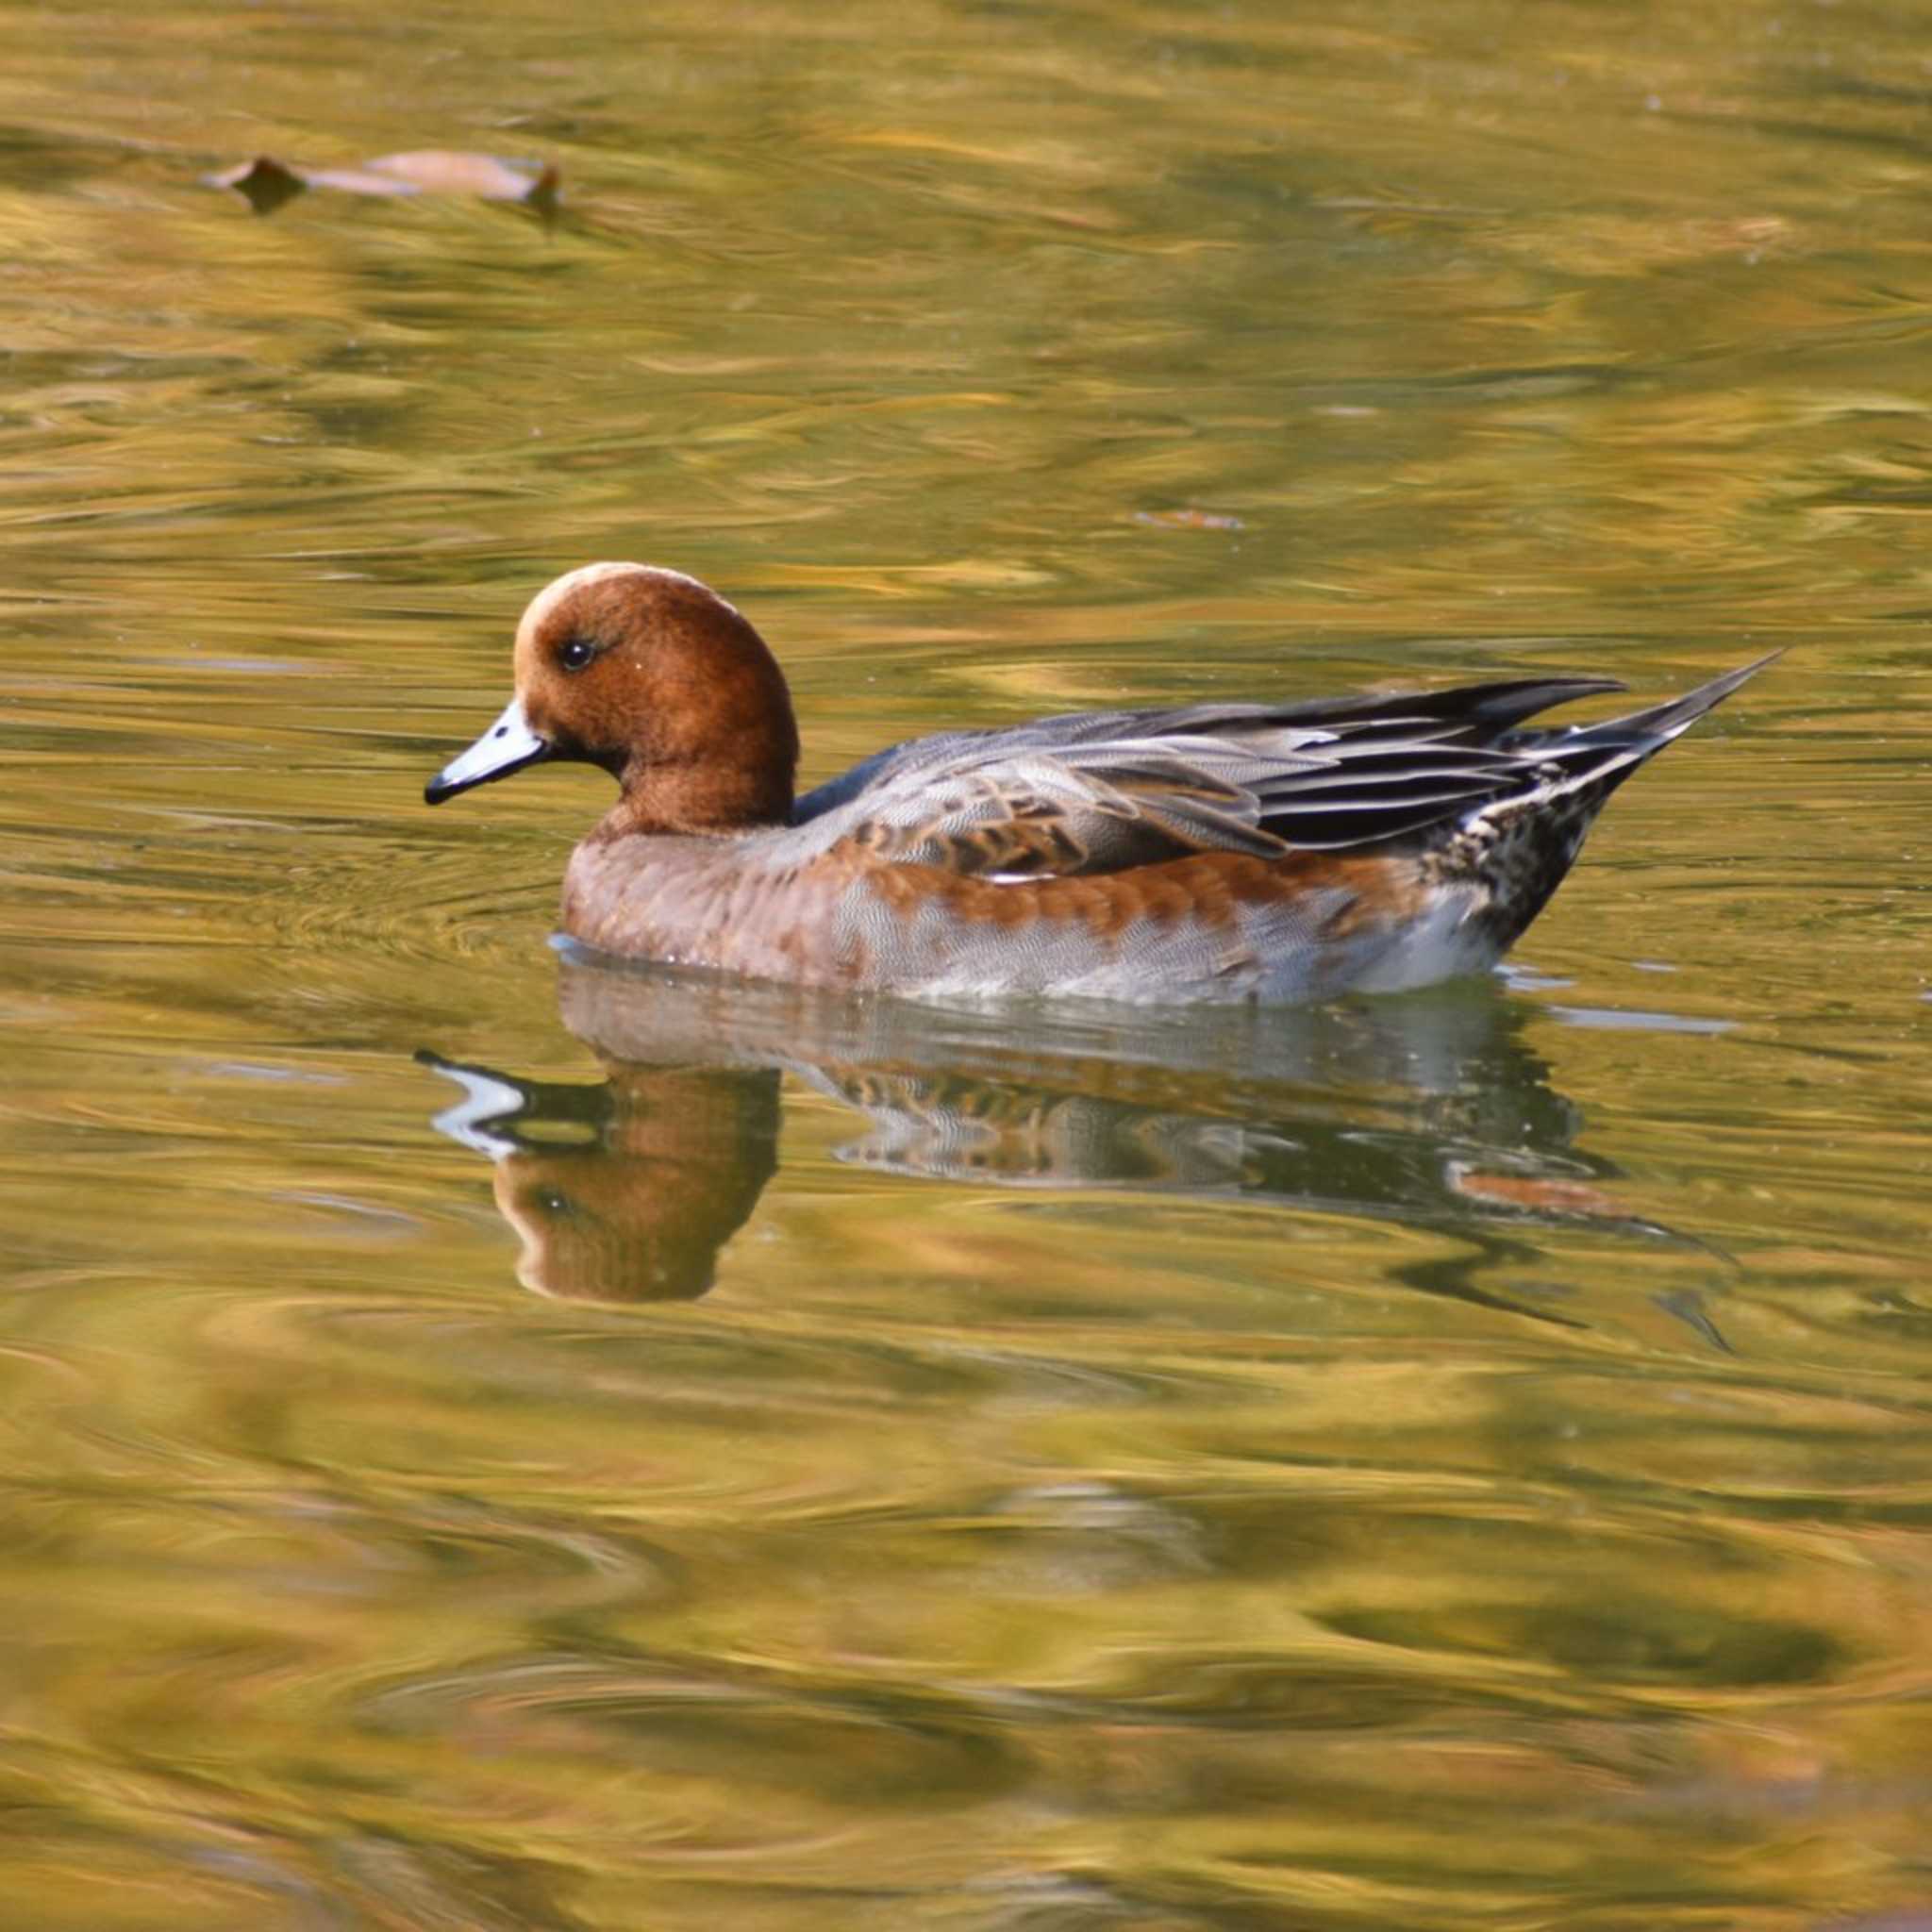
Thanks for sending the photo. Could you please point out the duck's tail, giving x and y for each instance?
(1600, 757)
(1535, 835)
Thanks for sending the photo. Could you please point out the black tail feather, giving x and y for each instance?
(1602, 756)
(1654, 726)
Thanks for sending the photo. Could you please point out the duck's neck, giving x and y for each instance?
(718, 796)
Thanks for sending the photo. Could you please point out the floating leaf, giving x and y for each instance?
(268, 183)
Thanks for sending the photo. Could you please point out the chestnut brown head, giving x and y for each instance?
(656, 678)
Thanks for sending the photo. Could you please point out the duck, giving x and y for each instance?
(1210, 851)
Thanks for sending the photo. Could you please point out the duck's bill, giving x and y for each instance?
(507, 746)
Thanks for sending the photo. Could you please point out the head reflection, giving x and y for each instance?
(1429, 1109)
(626, 1192)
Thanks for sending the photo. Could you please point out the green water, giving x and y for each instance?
(492, 1445)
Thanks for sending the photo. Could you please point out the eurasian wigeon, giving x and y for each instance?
(1214, 851)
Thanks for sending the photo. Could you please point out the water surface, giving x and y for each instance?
(496, 1444)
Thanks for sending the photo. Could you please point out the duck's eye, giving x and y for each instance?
(575, 654)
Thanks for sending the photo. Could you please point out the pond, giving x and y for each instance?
(493, 1443)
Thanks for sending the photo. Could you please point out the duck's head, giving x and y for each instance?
(655, 677)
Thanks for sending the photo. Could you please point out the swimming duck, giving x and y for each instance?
(1211, 851)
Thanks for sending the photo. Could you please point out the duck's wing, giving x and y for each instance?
(1102, 790)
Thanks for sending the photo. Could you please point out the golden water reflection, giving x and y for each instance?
(1429, 1110)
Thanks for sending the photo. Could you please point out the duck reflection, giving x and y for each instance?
(1429, 1109)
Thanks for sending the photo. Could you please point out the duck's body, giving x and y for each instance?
(1212, 852)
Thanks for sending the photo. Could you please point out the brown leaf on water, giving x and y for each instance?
(268, 184)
